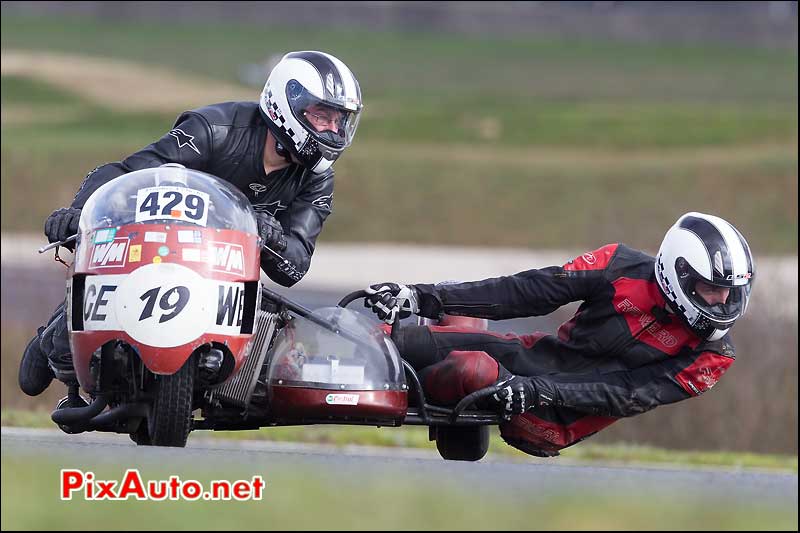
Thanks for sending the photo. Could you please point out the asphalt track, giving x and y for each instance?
(492, 475)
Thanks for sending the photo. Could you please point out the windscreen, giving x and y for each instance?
(168, 194)
(347, 353)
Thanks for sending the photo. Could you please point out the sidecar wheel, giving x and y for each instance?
(462, 443)
(170, 419)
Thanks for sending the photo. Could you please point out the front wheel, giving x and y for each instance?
(170, 418)
(142, 435)
(462, 443)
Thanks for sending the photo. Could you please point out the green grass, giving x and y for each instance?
(424, 63)
(436, 87)
(479, 141)
(43, 119)
(417, 437)
(502, 185)
(305, 499)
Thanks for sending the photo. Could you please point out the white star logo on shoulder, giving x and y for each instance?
(184, 139)
(272, 208)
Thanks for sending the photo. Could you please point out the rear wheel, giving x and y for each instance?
(170, 419)
(462, 443)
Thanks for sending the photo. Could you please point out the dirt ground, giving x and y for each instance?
(147, 88)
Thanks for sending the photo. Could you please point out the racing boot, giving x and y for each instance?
(55, 343)
(35, 374)
(47, 356)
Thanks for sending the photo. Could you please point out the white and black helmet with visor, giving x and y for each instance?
(312, 104)
(705, 249)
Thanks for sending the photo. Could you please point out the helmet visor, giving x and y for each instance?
(328, 123)
(720, 304)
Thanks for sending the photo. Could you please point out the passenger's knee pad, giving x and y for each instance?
(457, 375)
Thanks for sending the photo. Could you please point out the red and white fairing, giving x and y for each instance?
(167, 261)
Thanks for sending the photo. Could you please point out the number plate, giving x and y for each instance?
(163, 305)
(172, 203)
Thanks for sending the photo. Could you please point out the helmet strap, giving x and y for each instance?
(282, 151)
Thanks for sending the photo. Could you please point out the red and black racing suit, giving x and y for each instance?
(621, 354)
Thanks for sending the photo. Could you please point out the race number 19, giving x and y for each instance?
(168, 302)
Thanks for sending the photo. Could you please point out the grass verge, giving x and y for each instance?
(301, 498)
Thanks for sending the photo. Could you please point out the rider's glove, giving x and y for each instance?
(62, 224)
(271, 232)
(391, 301)
(517, 395)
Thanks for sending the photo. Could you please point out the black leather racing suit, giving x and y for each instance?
(620, 355)
(227, 141)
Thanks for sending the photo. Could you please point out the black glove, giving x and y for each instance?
(271, 232)
(517, 395)
(391, 301)
(62, 224)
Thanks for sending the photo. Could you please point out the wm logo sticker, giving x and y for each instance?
(110, 254)
(227, 257)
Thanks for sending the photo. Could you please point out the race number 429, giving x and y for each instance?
(175, 203)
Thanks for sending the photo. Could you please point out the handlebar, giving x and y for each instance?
(52, 245)
(350, 298)
(470, 399)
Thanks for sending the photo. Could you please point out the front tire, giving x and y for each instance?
(170, 418)
(142, 435)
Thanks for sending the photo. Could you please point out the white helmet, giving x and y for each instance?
(303, 80)
(705, 248)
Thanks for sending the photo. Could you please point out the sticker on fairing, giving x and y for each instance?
(229, 309)
(222, 256)
(135, 253)
(110, 254)
(190, 236)
(175, 203)
(104, 235)
(155, 236)
(341, 399)
(99, 296)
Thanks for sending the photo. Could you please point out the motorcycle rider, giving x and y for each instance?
(279, 152)
(650, 331)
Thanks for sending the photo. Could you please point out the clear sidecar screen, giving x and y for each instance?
(349, 352)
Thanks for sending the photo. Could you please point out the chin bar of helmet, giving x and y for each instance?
(52, 245)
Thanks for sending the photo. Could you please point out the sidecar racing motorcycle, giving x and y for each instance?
(171, 330)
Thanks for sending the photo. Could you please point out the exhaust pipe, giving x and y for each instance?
(70, 415)
(115, 414)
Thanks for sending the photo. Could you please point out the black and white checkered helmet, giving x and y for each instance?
(305, 87)
(705, 248)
